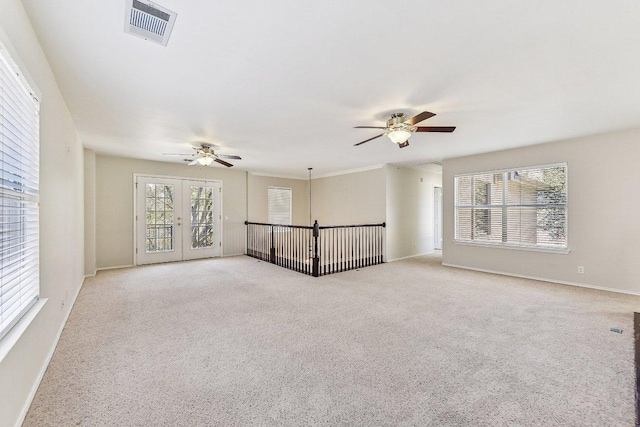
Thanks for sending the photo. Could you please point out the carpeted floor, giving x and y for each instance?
(235, 341)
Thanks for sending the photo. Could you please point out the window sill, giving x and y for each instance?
(563, 251)
(14, 334)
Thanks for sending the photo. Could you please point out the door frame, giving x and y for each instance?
(182, 178)
(439, 227)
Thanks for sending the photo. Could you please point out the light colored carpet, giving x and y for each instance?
(236, 341)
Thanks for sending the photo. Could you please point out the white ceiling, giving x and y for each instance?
(283, 83)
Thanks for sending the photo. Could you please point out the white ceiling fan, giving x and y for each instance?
(205, 156)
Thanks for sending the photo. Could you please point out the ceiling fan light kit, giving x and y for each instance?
(399, 136)
(399, 129)
(205, 161)
(205, 156)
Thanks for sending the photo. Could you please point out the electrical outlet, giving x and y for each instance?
(580, 269)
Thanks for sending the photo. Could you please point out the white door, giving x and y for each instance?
(177, 219)
(202, 209)
(437, 218)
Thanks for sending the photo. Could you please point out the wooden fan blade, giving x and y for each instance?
(195, 162)
(369, 127)
(228, 156)
(436, 129)
(222, 162)
(404, 144)
(419, 117)
(367, 140)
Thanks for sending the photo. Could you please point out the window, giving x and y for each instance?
(279, 205)
(19, 156)
(525, 207)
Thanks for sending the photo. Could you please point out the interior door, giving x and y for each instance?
(177, 219)
(437, 218)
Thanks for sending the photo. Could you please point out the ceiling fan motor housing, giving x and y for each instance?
(395, 120)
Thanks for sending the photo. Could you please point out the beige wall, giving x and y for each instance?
(354, 198)
(257, 202)
(410, 211)
(603, 234)
(89, 212)
(114, 204)
(61, 220)
(388, 194)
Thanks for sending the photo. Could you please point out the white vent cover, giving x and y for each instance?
(149, 21)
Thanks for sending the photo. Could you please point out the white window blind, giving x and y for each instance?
(19, 160)
(525, 207)
(279, 205)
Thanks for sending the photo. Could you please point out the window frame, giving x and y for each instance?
(276, 187)
(18, 324)
(505, 205)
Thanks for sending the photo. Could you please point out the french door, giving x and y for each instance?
(177, 219)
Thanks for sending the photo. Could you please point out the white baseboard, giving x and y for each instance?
(409, 256)
(115, 267)
(34, 389)
(543, 279)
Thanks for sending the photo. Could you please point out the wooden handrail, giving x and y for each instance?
(317, 250)
(278, 225)
(322, 227)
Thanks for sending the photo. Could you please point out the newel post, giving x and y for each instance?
(316, 257)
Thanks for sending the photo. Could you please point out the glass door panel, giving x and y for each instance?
(204, 207)
(177, 219)
(158, 234)
(159, 218)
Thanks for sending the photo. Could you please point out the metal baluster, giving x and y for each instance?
(351, 245)
(369, 239)
(359, 247)
(342, 254)
(290, 240)
(376, 251)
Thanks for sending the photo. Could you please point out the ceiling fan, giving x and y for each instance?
(399, 128)
(204, 156)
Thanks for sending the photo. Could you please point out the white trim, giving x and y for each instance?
(274, 175)
(134, 218)
(348, 171)
(507, 246)
(14, 334)
(184, 178)
(326, 175)
(505, 205)
(542, 279)
(115, 267)
(222, 220)
(510, 169)
(36, 384)
(18, 66)
(135, 210)
(410, 256)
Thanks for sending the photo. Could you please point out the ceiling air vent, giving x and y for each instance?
(149, 21)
